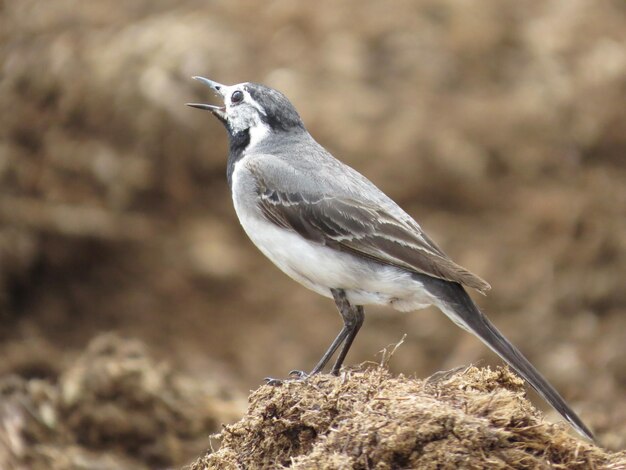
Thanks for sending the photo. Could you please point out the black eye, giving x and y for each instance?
(236, 97)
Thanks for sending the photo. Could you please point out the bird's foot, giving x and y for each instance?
(273, 382)
(298, 374)
(294, 376)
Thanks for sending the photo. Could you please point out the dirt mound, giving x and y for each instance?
(115, 407)
(476, 418)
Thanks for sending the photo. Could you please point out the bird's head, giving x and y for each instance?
(251, 107)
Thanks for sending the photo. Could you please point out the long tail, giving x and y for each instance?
(458, 305)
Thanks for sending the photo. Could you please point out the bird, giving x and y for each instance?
(332, 230)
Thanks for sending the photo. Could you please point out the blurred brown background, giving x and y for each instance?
(501, 126)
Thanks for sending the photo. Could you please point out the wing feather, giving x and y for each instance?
(361, 228)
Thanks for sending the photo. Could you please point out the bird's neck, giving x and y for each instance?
(247, 141)
(238, 143)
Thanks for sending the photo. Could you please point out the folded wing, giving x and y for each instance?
(360, 227)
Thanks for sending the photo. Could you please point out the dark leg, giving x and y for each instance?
(341, 337)
(352, 321)
(353, 317)
(358, 321)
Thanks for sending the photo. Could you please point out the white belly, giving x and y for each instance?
(321, 268)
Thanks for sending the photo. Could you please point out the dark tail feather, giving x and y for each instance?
(458, 305)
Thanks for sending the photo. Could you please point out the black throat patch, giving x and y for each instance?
(237, 144)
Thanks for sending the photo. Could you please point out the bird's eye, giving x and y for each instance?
(236, 97)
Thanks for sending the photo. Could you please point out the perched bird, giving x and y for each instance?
(329, 228)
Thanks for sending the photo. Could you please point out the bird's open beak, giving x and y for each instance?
(218, 111)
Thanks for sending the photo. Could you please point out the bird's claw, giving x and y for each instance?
(294, 376)
(298, 374)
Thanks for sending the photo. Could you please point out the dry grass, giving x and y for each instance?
(366, 419)
(115, 407)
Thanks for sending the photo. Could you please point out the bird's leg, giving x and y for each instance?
(357, 321)
(301, 375)
(353, 316)
(341, 337)
(345, 310)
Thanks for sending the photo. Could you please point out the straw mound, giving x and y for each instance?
(476, 418)
(115, 407)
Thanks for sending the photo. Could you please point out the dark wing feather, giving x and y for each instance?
(352, 226)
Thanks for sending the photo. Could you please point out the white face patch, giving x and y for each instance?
(245, 115)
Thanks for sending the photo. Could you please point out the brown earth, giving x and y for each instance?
(501, 128)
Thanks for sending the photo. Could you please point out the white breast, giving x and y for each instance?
(321, 268)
